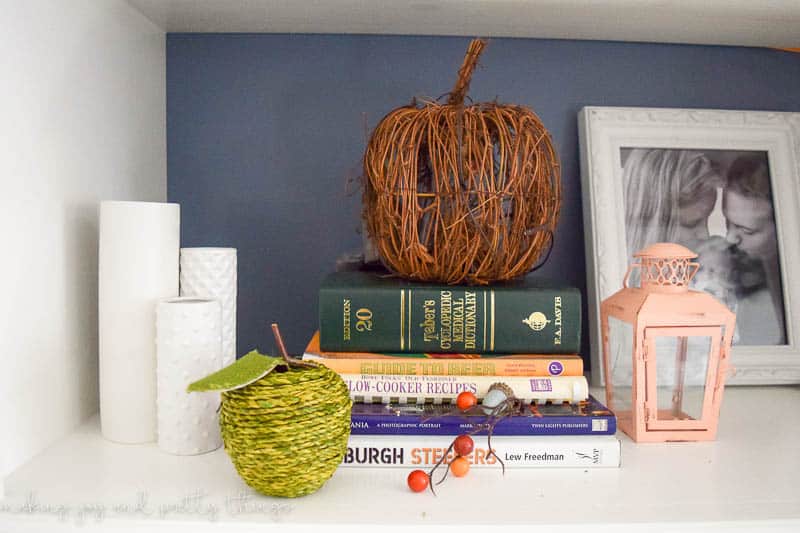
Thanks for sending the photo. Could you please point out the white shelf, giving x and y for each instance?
(747, 478)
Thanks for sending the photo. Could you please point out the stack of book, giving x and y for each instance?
(407, 349)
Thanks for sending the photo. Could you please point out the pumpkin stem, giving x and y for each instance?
(461, 87)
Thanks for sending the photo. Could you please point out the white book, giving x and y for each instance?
(386, 388)
(424, 451)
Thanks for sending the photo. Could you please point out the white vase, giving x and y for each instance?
(138, 265)
(211, 273)
(188, 347)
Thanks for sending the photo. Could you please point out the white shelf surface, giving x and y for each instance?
(746, 480)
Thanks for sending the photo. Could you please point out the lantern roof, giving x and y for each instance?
(660, 309)
(689, 308)
(625, 303)
(666, 250)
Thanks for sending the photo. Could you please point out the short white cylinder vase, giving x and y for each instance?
(211, 273)
(137, 266)
(188, 347)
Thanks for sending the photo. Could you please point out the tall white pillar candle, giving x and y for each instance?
(138, 265)
(188, 347)
(211, 273)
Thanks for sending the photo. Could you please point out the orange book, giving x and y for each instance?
(445, 364)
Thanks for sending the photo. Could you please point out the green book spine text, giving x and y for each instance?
(360, 311)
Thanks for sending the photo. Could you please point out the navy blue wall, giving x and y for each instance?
(264, 132)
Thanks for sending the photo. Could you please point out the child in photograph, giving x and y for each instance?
(717, 273)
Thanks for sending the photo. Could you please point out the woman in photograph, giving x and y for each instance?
(669, 195)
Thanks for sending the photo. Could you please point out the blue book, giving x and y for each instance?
(589, 417)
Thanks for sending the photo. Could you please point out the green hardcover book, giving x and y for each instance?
(366, 312)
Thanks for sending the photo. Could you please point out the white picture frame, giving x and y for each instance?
(603, 134)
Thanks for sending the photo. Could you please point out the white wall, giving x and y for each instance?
(82, 118)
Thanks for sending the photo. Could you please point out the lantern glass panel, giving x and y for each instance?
(620, 342)
(681, 376)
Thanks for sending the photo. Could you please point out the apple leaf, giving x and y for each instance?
(244, 371)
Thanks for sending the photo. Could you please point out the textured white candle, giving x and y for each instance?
(138, 265)
(188, 347)
(211, 273)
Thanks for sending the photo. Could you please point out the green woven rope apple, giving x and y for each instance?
(285, 423)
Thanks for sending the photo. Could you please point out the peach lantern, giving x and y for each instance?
(666, 350)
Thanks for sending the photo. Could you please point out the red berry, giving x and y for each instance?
(418, 480)
(459, 466)
(463, 445)
(465, 400)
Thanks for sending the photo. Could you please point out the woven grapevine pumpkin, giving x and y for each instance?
(459, 193)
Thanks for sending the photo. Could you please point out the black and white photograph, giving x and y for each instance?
(721, 183)
(719, 204)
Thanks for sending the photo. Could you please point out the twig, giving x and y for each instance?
(290, 362)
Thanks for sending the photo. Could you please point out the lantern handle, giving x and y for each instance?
(628, 274)
(695, 267)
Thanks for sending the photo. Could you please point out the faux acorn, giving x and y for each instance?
(285, 423)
